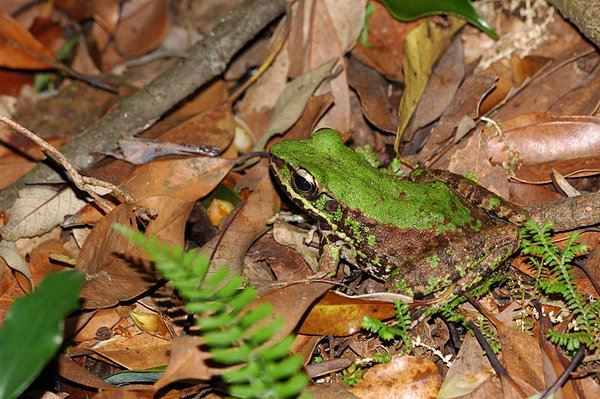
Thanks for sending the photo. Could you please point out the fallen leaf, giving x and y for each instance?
(8, 252)
(292, 101)
(341, 316)
(184, 178)
(402, 377)
(114, 266)
(371, 89)
(386, 39)
(187, 362)
(38, 210)
(142, 26)
(445, 79)
(139, 352)
(541, 138)
(247, 223)
(424, 46)
(464, 104)
(19, 49)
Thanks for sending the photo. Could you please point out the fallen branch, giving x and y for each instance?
(206, 59)
(585, 14)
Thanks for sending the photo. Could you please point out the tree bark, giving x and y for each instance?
(206, 59)
(585, 14)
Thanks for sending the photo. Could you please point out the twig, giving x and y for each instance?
(205, 60)
(82, 182)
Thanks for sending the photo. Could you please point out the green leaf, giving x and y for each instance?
(408, 10)
(33, 330)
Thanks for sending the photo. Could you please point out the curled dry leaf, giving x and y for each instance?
(341, 316)
(464, 104)
(323, 24)
(538, 96)
(401, 378)
(115, 268)
(424, 46)
(19, 49)
(290, 303)
(185, 178)
(292, 100)
(11, 257)
(105, 13)
(371, 89)
(143, 24)
(187, 362)
(138, 352)
(247, 223)
(445, 79)
(541, 138)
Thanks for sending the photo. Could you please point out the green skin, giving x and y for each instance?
(421, 234)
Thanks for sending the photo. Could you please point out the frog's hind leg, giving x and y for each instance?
(476, 195)
(465, 261)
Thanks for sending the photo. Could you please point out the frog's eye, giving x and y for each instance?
(304, 182)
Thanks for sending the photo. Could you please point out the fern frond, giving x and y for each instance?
(228, 329)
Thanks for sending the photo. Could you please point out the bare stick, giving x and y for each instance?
(82, 182)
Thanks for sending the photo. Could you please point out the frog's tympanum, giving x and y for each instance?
(421, 233)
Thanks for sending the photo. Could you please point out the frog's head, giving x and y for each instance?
(307, 170)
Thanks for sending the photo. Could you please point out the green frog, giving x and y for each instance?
(421, 234)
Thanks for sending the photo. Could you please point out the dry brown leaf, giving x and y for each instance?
(290, 304)
(285, 262)
(541, 138)
(137, 352)
(583, 100)
(342, 316)
(320, 51)
(184, 178)
(304, 346)
(445, 79)
(292, 101)
(72, 371)
(314, 110)
(113, 265)
(464, 104)
(102, 318)
(371, 90)
(187, 362)
(9, 289)
(542, 92)
(332, 390)
(385, 49)
(38, 210)
(11, 258)
(473, 157)
(105, 13)
(247, 223)
(19, 49)
(424, 46)
(142, 26)
(401, 378)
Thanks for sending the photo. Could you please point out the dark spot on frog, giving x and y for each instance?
(277, 162)
(402, 195)
(331, 206)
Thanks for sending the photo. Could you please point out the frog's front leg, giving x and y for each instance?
(329, 259)
(475, 194)
(464, 261)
